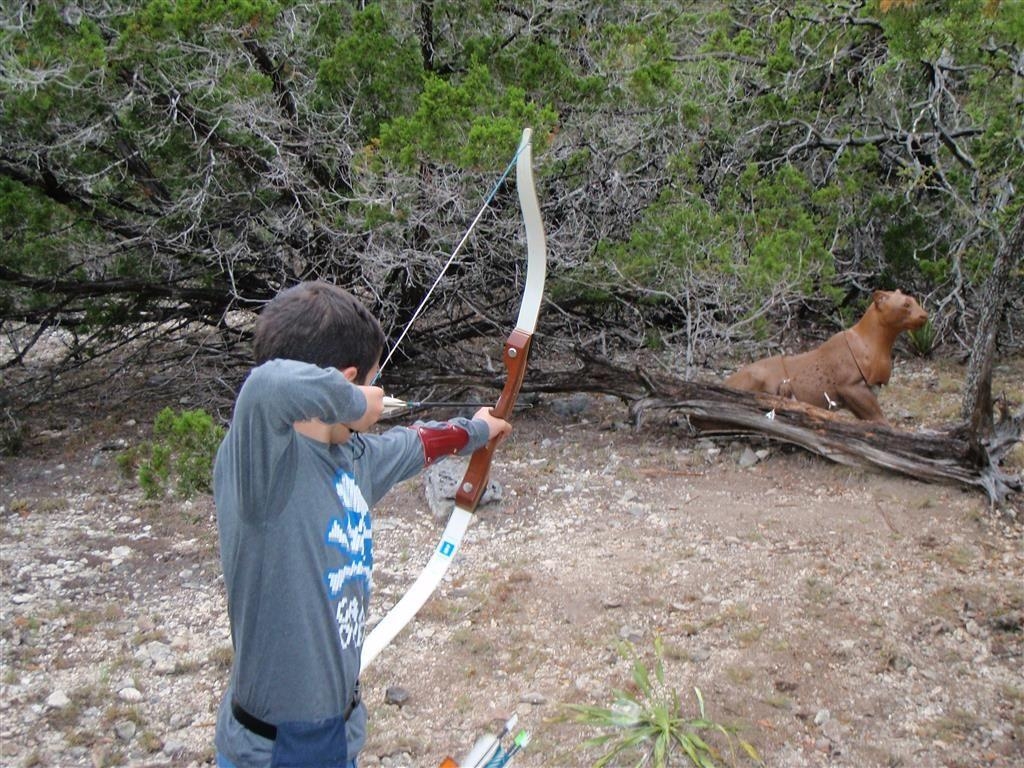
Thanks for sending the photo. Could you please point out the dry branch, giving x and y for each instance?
(952, 456)
(932, 456)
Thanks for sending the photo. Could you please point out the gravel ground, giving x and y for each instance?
(835, 617)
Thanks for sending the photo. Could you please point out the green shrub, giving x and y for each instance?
(182, 449)
(650, 725)
(923, 339)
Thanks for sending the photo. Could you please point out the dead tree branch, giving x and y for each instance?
(952, 456)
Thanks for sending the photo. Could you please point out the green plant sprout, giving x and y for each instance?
(923, 340)
(651, 725)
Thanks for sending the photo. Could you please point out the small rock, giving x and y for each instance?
(833, 731)
(442, 482)
(396, 696)
(154, 651)
(57, 700)
(174, 748)
(1012, 621)
(899, 663)
(747, 459)
(574, 405)
(397, 760)
(130, 694)
(699, 655)
(822, 717)
(845, 648)
(583, 683)
(631, 634)
(125, 730)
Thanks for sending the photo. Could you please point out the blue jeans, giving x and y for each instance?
(223, 762)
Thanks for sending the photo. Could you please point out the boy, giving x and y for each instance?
(294, 481)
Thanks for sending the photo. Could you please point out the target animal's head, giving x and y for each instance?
(899, 311)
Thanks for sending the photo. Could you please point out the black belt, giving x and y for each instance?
(268, 730)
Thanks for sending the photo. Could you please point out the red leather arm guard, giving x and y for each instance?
(440, 441)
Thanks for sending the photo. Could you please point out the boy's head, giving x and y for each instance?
(319, 323)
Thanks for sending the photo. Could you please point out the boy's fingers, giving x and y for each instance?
(504, 429)
(374, 399)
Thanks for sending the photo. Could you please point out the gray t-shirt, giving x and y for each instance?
(297, 548)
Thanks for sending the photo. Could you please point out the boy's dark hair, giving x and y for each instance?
(322, 324)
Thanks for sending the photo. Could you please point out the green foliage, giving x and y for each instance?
(923, 340)
(927, 31)
(650, 725)
(767, 230)
(77, 52)
(675, 240)
(910, 253)
(184, 18)
(26, 219)
(981, 39)
(539, 67)
(369, 71)
(786, 231)
(698, 157)
(182, 449)
(470, 123)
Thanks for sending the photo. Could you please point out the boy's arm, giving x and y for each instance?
(402, 452)
(374, 397)
(286, 391)
(275, 396)
(449, 438)
(460, 436)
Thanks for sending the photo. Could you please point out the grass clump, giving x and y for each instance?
(923, 340)
(650, 726)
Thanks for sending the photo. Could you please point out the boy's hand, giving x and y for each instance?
(498, 429)
(374, 409)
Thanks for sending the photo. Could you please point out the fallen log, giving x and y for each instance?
(931, 456)
(952, 456)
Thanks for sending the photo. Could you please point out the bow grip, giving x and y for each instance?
(475, 480)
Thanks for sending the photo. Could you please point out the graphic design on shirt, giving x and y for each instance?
(350, 584)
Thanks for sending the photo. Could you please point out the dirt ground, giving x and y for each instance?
(833, 617)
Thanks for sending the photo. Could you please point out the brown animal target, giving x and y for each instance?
(845, 370)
